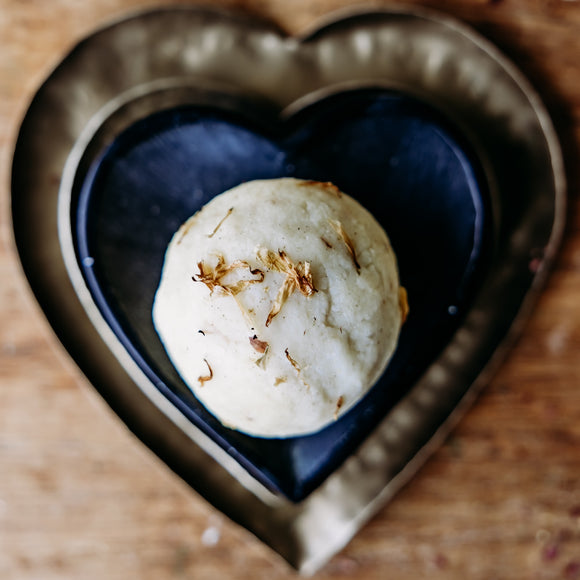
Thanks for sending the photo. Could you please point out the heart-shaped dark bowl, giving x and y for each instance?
(411, 112)
(397, 156)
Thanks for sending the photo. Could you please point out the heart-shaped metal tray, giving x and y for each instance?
(140, 68)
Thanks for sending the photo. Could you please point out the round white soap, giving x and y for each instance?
(280, 305)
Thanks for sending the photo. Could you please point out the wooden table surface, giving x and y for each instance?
(81, 498)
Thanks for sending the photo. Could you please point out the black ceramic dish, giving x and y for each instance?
(398, 156)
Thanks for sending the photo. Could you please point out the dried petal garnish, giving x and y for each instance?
(298, 277)
(258, 345)
(261, 362)
(221, 222)
(183, 230)
(292, 361)
(203, 379)
(297, 368)
(213, 277)
(328, 186)
(339, 404)
(339, 229)
(403, 304)
(283, 295)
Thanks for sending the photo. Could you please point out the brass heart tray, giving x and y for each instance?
(168, 59)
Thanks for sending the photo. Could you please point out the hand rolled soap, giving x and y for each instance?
(280, 305)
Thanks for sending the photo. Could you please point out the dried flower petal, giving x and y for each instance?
(297, 368)
(221, 222)
(261, 362)
(258, 345)
(299, 273)
(339, 229)
(327, 186)
(292, 361)
(403, 304)
(283, 295)
(339, 404)
(213, 278)
(298, 277)
(183, 231)
(203, 379)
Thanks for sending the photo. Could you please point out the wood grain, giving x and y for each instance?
(80, 498)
